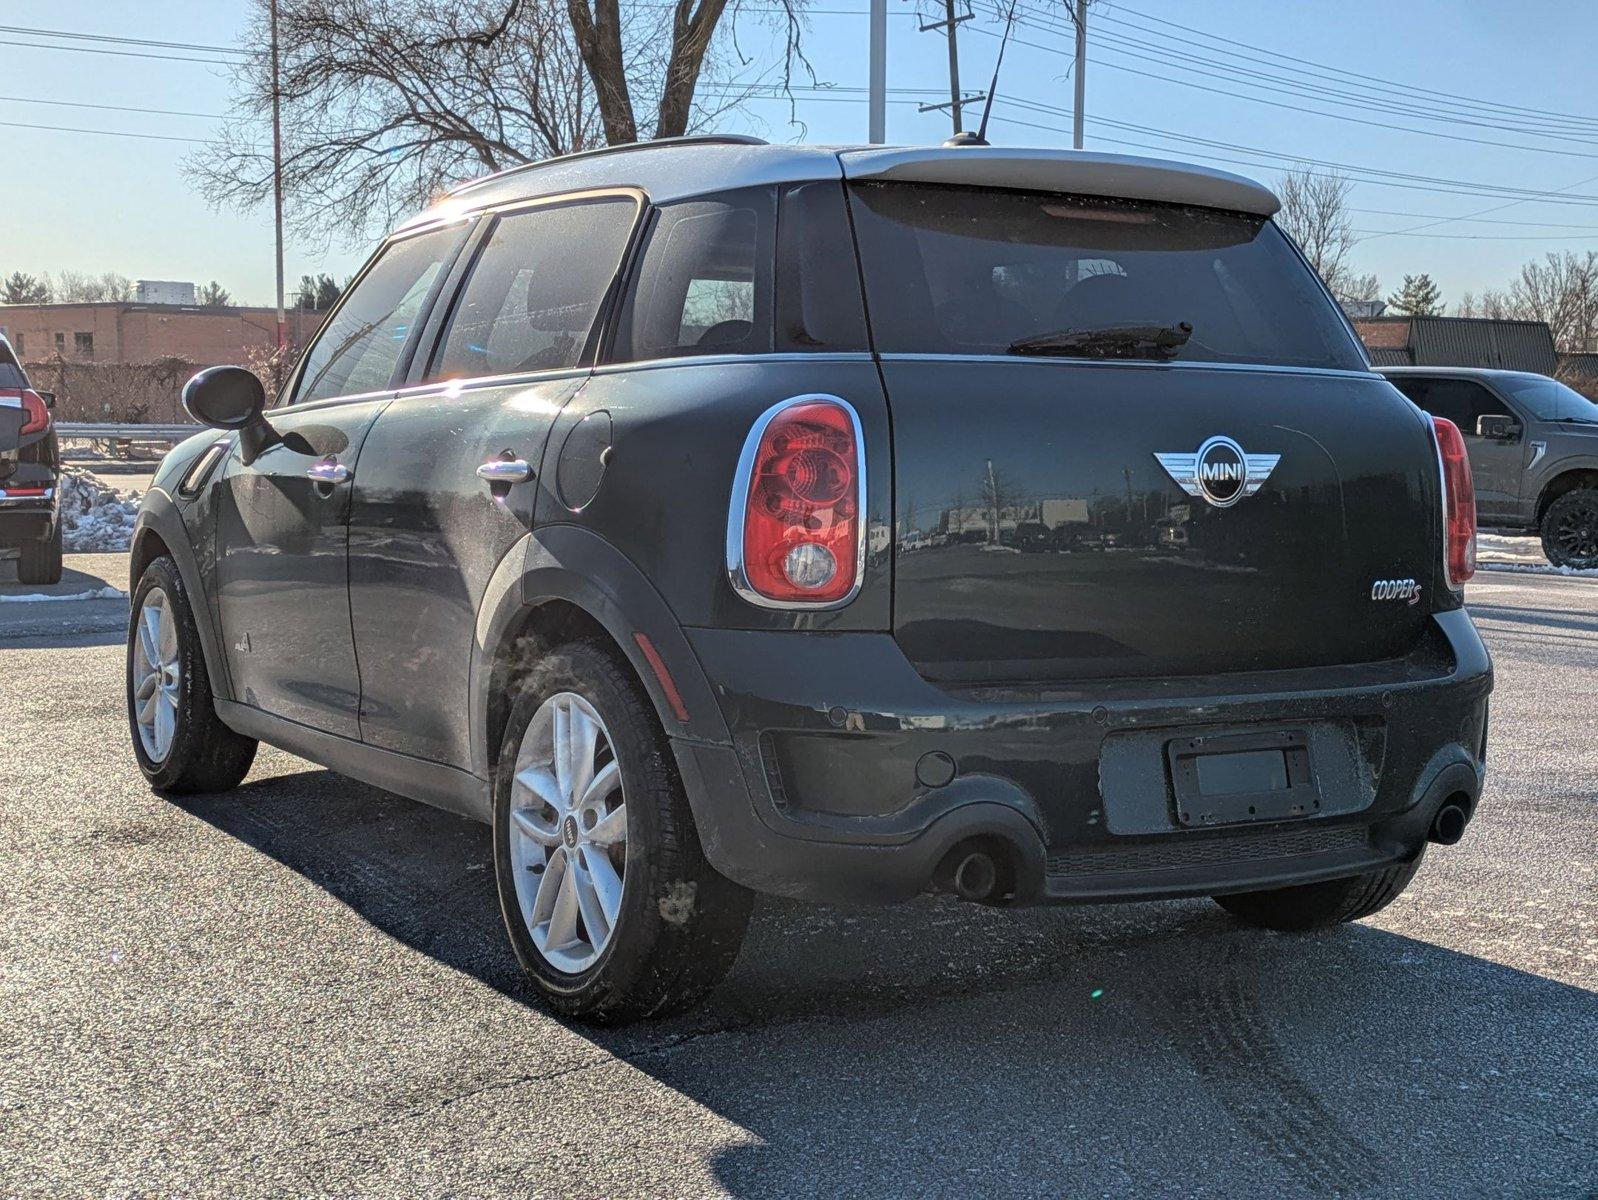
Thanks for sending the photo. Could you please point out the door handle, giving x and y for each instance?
(328, 470)
(505, 470)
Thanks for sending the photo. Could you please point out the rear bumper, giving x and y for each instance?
(850, 778)
(25, 521)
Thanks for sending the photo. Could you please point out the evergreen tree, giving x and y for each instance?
(1419, 297)
(215, 294)
(21, 288)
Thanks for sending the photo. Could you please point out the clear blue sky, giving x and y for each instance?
(90, 202)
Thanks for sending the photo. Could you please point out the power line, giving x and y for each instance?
(1384, 125)
(154, 137)
(76, 35)
(160, 112)
(1453, 96)
(119, 53)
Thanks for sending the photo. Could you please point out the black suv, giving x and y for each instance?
(1533, 445)
(30, 475)
(712, 517)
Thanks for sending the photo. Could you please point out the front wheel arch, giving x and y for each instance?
(1565, 481)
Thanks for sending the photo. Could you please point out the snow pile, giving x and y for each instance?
(105, 593)
(1501, 552)
(94, 515)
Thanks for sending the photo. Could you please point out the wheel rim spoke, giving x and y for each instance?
(541, 783)
(612, 827)
(606, 780)
(607, 884)
(528, 825)
(562, 929)
(595, 918)
(568, 832)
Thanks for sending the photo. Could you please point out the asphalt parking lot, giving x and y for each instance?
(303, 988)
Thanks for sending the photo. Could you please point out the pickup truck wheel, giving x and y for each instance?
(609, 902)
(41, 562)
(1570, 529)
(1321, 905)
(179, 741)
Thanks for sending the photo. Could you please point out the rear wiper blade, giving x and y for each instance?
(1108, 341)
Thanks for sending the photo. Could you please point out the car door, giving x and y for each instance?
(282, 584)
(448, 481)
(1496, 464)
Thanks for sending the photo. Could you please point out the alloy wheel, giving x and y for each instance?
(1575, 533)
(568, 832)
(158, 675)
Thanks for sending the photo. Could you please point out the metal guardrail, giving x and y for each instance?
(111, 432)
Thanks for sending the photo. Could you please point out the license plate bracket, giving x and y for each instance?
(1235, 778)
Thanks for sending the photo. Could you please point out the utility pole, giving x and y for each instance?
(1081, 70)
(879, 73)
(950, 25)
(277, 182)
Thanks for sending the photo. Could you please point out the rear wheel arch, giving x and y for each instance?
(569, 584)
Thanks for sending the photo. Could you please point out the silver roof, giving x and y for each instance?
(680, 168)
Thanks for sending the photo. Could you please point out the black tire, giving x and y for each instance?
(205, 755)
(40, 563)
(679, 922)
(1321, 905)
(1570, 529)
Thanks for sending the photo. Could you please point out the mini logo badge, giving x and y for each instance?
(1219, 471)
(1396, 589)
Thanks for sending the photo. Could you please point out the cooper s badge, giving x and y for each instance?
(1219, 471)
(1396, 589)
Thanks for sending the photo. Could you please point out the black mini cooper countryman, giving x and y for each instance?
(714, 517)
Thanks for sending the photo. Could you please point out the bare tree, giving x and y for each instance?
(76, 287)
(1315, 214)
(1562, 291)
(387, 104)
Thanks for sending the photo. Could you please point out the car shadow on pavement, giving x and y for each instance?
(939, 1048)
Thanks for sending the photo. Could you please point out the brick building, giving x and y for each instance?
(144, 333)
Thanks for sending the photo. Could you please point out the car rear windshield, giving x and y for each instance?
(962, 270)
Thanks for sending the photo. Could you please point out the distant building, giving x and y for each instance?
(163, 291)
(1459, 342)
(1360, 310)
(143, 333)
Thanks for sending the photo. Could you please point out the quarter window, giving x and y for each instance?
(703, 284)
(359, 347)
(536, 289)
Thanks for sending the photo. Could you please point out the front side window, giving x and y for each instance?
(966, 270)
(536, 289)
(703, 285)
(359, 347)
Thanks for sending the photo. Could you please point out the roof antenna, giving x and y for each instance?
(980, 137)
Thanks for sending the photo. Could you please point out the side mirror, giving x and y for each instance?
(1497, 428)
(225, 398)
(47, 397)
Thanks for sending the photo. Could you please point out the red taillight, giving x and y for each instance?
(796, 534)
(35, 413)
(1459, 504)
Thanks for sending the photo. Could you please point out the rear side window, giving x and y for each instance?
(1458, 400)
(962, 270)
(359, 347)
(536, 289)
(703, 283)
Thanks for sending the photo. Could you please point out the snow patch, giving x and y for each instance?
(105, 593)
(1539, 569)
(94, 515)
